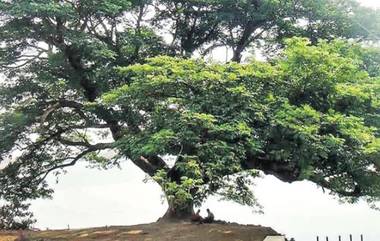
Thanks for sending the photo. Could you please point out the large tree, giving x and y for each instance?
(77, 71)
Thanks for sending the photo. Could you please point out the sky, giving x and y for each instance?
(90, 197)
(370, 3)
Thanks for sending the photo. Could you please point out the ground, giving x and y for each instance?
(153, 232)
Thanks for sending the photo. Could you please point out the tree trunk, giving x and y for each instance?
(180, 208)
(237, 56)
(174, 214)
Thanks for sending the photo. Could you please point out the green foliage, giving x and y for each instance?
(15, 216)
(237, 189)
(310, 109)
(11, 127)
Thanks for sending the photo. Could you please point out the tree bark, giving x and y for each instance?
(175, 213)
(237, 54)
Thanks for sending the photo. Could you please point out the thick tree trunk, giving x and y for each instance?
(174, 214)
(180, 208)
(237, 56)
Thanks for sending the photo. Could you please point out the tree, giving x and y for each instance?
(312, 114)
(15, 215)
(78, 69)
(205, 25)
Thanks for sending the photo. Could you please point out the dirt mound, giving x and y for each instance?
(157, 232)
(7, 236)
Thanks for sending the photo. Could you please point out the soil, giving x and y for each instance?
(180, 231)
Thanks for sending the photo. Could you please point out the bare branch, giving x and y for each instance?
(74, 160)
(62, 166)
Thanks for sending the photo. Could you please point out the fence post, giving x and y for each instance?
(350, 237)
(361, 237)
(340, 238)
(327, 238)
(317, 238)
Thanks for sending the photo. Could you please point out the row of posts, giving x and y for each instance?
(340, 238)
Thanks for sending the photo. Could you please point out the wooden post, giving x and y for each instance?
(327, 238)
(350, 237)
(361, 237)
(317, 238)
(340, 238)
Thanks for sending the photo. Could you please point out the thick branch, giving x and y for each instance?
(90, 89)
(245, 39)
(289, 172)
(150, 164)
(285, 171)
(92, 92)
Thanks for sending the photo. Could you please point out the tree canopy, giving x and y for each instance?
(311, 114)
(83, 77)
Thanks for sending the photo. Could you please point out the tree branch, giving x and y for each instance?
(92, 148)
(73, 143)
(245, 40)
(211, 48)
(356, 192)
(150, 164)
(285, 171)
(61, 104)
(26, 62)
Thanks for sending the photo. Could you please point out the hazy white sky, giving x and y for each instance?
(89, 197)
(371, 3)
